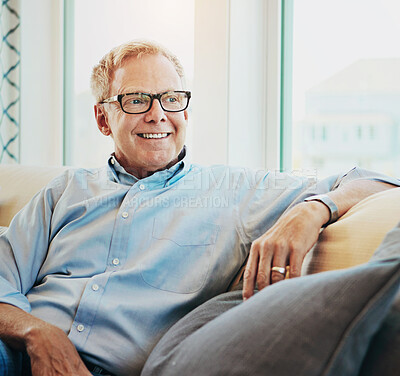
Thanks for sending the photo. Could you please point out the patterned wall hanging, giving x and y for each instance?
(10, 81)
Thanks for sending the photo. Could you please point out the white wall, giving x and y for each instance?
(236, 83)
(41, 82)
(211, 73)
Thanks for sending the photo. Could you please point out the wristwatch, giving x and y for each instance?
(328, 202)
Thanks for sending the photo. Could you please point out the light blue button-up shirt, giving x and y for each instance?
(114, 261)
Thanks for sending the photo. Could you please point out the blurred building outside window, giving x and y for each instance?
(346, 86)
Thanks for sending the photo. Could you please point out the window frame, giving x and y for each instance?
(286, 119)
(68, 78)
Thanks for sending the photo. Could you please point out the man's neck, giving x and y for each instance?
(142, 173)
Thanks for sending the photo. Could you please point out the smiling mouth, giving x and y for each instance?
(153, 135)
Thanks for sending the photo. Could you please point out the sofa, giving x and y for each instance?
(349, 242)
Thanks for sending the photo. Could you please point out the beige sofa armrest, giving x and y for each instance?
(18, 184)
(354, 237)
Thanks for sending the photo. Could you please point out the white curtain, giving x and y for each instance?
(10, 81)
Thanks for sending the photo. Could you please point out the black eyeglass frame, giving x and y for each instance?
(118, 98)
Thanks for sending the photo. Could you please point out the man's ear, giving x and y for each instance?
(101, 119)
(185, 113)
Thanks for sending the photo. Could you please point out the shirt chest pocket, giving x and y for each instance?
(180, 253)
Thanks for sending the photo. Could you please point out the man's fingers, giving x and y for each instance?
(264, 270)
(250, 273)
(296, 261)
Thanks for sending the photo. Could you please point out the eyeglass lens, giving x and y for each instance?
(140, 102)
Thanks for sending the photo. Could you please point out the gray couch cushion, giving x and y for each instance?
(383, 356)
(314, 325)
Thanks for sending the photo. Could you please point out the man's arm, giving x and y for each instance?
(23, 248)
(50, 350)
(293, 235)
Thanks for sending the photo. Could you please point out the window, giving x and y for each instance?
(325, 99)
(345, 82)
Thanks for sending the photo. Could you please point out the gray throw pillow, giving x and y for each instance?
(317, 325)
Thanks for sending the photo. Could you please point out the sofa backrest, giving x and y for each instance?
(352, 240)
(18, 184)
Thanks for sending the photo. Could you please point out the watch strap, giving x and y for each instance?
(330, 204)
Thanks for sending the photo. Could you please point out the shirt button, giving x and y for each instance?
(95, 287)
(142, 187)
(80, 328)
(112, 161)
(115, 261)
(125, 215)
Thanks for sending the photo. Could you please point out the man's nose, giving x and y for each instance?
(156, 114)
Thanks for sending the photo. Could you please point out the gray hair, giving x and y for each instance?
(103, 72)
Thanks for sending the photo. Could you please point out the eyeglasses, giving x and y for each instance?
(138, 103)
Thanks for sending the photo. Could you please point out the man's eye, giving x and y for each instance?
(136, 101)
(171, 99)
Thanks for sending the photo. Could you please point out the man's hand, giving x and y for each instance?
(284, 244)
(52, 353)
(50, 350)
(293, 235)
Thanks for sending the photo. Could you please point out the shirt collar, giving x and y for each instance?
(164, 177)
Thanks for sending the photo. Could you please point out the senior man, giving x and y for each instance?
(101, 262)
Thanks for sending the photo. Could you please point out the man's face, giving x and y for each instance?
(137, 154)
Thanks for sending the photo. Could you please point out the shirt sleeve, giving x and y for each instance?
(260, 204)
(24, 245)
(335, 181)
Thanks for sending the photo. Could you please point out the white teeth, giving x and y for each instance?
(154, 135)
